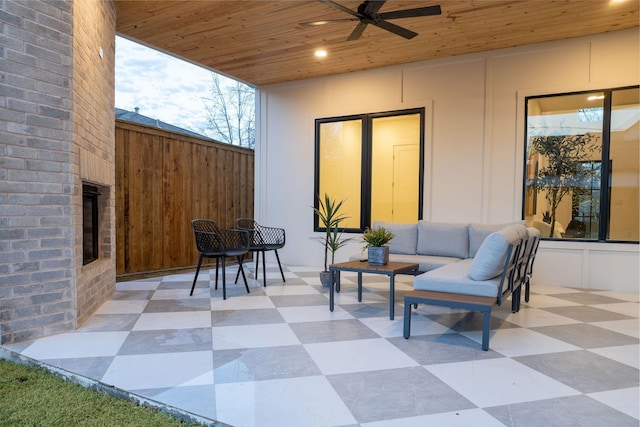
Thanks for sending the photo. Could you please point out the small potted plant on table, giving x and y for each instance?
(376, 240)
(330, 217)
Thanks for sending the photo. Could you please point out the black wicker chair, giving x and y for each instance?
(219, 243)
(261, 240)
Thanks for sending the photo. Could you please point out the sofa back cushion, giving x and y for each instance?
(443, 239)
(490, 258)
(479, 232)
(405, 238)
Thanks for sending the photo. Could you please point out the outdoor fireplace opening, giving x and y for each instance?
(90, 230)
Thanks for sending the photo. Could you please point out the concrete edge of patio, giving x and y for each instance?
(12, 356)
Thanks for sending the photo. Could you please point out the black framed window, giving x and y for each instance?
(582, 165)
(89, 223)
(375, 163)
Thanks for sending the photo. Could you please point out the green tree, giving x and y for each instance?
(231, 111)
(561, 172)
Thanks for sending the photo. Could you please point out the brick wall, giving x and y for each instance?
(94, 143)
(56, 108)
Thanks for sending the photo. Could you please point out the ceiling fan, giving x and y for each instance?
(367, 13)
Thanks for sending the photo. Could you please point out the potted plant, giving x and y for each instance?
(375, 242)
(330, 218)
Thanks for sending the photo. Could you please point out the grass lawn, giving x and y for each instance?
(31, 396)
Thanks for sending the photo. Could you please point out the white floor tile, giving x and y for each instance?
(551, 289)
(173, 320)
(627, 354)
(294, 402)
(312, 313)
(357, 356)
(515, 342)
(276, 290)
(470, 417)
(628, 327)
(533, 317)
(625, 400)
(160, 370)
(122, 307)
(495, 382)
(627, 308)
(79, 344)
(627, 296)
(143, 285)
(188, 277)
(240, 302)
(253, 336)
(164, 294)
(544, 301)
(420, 325)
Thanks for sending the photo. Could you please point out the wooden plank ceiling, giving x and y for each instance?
(261, 42)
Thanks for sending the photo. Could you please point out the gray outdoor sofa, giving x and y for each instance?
(468, 266)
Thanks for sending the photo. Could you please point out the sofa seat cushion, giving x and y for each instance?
(443, 239)
(490, 258)
(454, 278)
(405, 237)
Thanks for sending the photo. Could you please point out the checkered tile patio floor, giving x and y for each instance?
(278, 357)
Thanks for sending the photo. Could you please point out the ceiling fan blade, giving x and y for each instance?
(410, 13)
(396, 29)
(370, 7)
(340, 7)
(328, 21)
(357, 32)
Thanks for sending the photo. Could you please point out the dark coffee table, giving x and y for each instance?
(390, 269)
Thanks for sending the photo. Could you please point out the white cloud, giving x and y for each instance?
(161, 86)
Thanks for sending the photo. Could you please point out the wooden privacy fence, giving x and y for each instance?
(163, 181)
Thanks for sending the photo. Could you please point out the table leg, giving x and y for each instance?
(392, 302)
(331, 293)
(336, 278)
(359, 287)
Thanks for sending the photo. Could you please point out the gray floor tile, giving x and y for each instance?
(298, 300)
(396, 393)
(444, 348)
(336, 330)
(259, 364)
(91, 367)
(186, 304)
(586, 336)
(245, 317)
(587, 298)
(110, 322)
(587, 314)
(166, 341)
(583, 370)
(573, 411)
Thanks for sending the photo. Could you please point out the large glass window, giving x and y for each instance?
(374, 163)
(582, 165)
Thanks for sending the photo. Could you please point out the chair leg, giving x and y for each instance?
(241, 270)
(197, 272)
(264, 269)
(217, 261)
(279, 265)
(240, 260)
(224, 280)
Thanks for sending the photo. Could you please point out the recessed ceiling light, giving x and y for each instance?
(321, 53)
(595, 97)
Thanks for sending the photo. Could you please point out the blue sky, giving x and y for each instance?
(161, 86)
